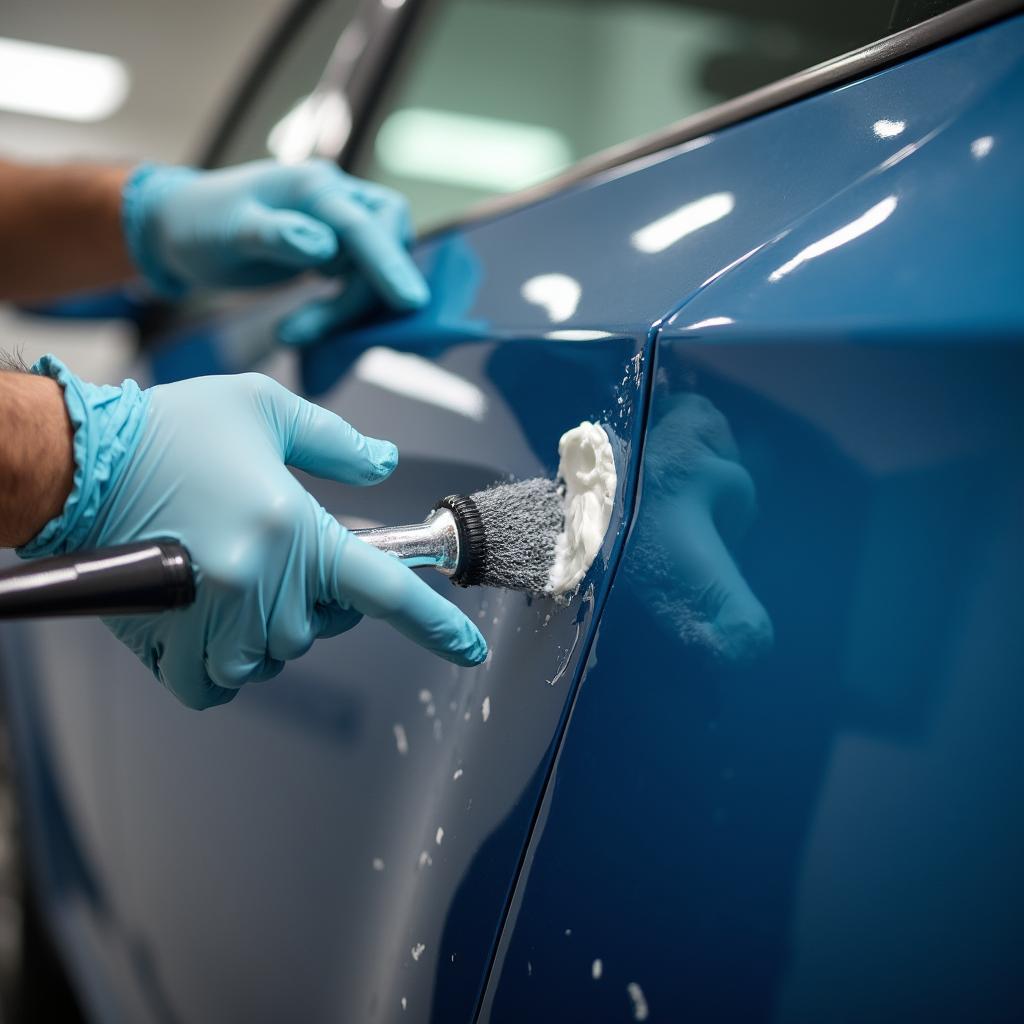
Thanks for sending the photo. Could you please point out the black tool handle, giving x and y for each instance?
(130, 579)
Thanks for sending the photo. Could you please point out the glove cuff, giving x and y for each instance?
(107, 422)
(145, 188)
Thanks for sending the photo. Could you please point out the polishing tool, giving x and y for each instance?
(502, 537)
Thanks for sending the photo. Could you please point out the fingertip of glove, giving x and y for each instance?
(384, 456)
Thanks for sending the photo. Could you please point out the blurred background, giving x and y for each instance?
(114, 81)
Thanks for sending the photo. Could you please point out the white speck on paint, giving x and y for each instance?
(425, 696)
(431, 710)
(494, 621)
(640, 1009)
(404, 1002)
(568, 931)
(417, 952)
(401, 740)
(529, 969)
(378, 864)
(596, 969)
(466, 716)
(439, 836)
(457, 775)
(425, 859)
(485, 708)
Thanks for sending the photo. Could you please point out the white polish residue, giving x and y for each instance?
(425, 859)
(458, 774)
(404, 1002)
(586, 474)
(401, 740)
(485, 708)
(596, 969)
(378, 864)
(466, 716)
(529, 969)
(568, 931)
(417, 952)
(439, 836)
(636, 993)
(425, 696)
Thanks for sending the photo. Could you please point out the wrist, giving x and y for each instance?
(103, 425)
(144, 193)
(36, 462)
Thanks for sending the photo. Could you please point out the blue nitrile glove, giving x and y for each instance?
(204, 462)
(264, 222)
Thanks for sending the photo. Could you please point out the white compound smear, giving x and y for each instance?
(586, 469)
(417, 952)
(378, 864)
(439, 836)
(596, 969)
(485, 709)
(640, 1009)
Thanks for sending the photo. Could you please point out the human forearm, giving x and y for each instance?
(36, 461)
(60, 230)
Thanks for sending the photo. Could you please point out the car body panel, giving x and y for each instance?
(226, 862)
(829, 828)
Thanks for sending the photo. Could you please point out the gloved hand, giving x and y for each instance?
(203, 462)
(264, 222)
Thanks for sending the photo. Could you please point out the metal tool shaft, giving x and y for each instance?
(434, 543)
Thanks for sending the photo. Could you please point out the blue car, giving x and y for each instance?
(767, 763)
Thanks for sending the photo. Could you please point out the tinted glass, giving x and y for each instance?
(302, 57)
(496, 95)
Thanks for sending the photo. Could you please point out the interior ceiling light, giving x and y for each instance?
(51, 81)
(464, 149)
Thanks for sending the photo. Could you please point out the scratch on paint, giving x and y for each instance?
(565, 661)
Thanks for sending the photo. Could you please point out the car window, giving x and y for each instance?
(497, 95)
(261, 130)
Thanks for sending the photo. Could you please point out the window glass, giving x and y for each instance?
(261, 130)
(496, 95)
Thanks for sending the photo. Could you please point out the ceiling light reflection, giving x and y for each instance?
(415, 377)
(886, 129)
(557, 294)
(862, 225)
(712, 321)
(666, 231)
(319, 123)
(982, 147)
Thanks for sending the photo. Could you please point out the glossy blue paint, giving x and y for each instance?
(820, 820)
(691, 830)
